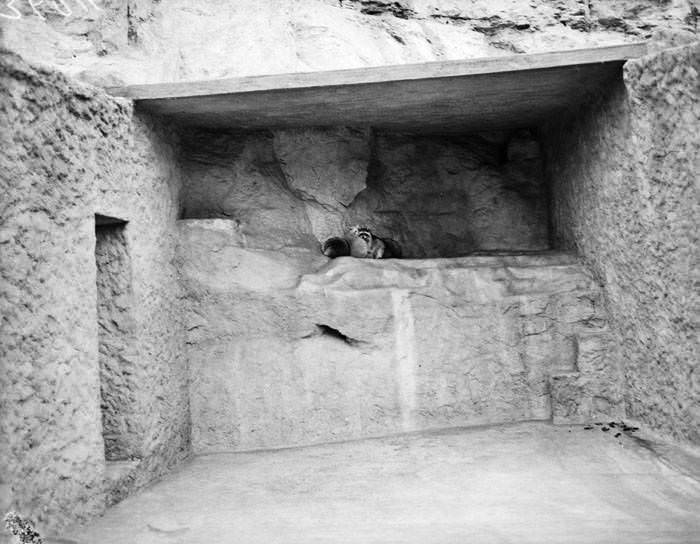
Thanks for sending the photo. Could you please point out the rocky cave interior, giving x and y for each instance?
(497, 313)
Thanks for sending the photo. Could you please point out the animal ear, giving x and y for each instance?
(335, 247)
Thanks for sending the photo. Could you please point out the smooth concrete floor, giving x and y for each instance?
(520, 483)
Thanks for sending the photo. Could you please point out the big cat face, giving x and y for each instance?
(361, 232)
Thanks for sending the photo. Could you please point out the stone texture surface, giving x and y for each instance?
(116, 341)
(326, 169)
(288, 348)
(437, 196)
(328, 165)
(485, 485)
(69, 152)
(444, 197)
(151, 41)
(339, 350)
(241, 178)
(625, 196)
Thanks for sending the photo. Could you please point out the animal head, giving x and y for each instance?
(358, 231)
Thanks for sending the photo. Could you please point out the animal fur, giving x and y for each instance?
(361, 243)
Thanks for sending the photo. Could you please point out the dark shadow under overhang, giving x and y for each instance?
(451, 96)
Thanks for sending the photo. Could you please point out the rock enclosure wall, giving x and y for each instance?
(288, 348)
(437, 196)
(625, 195)
(139, 41)
(70, 152)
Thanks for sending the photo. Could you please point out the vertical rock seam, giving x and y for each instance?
(404, 326)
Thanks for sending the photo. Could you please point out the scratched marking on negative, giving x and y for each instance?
(62, 7)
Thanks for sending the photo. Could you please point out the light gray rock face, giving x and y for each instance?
(288, 348)
(151, 41)
(242, 179)
(327, 169)
(625, 195)
(437, 196)
(70, 152)
(328, 166)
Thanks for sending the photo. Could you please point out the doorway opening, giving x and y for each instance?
(116, 339)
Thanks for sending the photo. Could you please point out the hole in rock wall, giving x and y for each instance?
(437, 195)
(330, 332)
(115, 337)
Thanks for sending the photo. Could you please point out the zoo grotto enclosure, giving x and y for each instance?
(527, 370)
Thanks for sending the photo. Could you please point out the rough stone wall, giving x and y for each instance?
(69, 152)
(287, 348)
(142, 186)
(139, 41)
(437, 196)
(625, 196)
(445, 197)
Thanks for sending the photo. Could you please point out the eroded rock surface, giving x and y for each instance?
(288, 348)
(437, 196)
(625, 196)
(326, 169)
(444, 197)
(69, 152)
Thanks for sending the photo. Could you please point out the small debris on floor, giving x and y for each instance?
(617, 425)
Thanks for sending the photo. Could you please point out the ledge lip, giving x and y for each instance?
(456, 96)
(382, 74)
